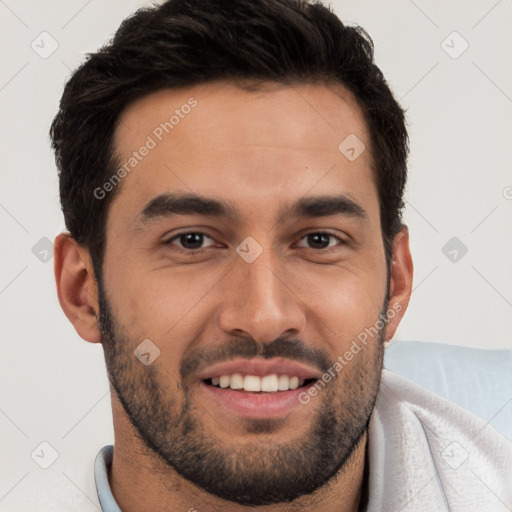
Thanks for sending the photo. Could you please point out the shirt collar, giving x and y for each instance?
(101, 468)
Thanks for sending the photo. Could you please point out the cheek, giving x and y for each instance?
(342, 302)
(165, 305)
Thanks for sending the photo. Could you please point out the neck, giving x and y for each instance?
(141, 481)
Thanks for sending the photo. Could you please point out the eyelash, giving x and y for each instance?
(192, 251)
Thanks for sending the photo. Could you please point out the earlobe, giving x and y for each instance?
(76, 286)
(400, 286)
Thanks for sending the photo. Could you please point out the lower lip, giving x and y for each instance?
(256, 405)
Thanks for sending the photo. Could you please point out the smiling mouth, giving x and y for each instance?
(252, 396)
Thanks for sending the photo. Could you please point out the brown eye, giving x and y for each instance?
(191, 241)
(320, 240)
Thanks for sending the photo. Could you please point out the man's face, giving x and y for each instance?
(266, 283)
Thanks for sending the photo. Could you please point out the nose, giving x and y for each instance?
(260, 300)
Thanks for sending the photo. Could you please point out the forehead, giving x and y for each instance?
(235, 117)
(220, 140)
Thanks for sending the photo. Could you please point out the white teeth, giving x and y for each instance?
(224, 381)
(268, 384)
(237, 381)
(294, 382)
(284, 383)
(252, 383)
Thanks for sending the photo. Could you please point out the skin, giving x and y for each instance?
(261, 151)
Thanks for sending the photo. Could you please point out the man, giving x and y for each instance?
(231, 177)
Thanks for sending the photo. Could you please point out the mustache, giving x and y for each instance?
(289, 348)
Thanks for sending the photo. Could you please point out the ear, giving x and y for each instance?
(76, 286)
(400, 286)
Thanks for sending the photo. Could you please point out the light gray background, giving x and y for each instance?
(54, 386)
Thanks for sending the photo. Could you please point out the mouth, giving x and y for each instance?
(257, 389)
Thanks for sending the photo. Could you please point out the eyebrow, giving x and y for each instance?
(166, 205)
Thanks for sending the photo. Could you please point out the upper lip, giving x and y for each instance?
(260, 367)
